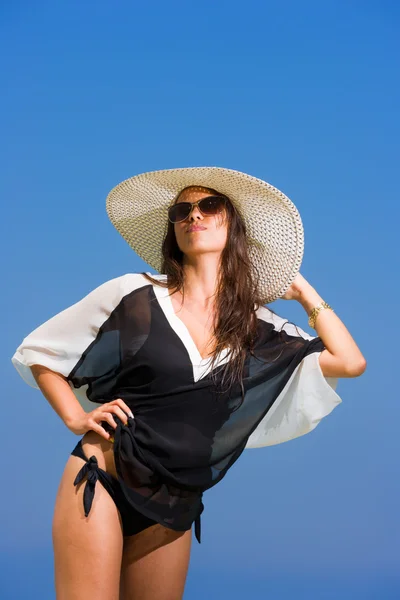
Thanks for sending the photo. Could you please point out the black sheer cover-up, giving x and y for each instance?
(124, 340)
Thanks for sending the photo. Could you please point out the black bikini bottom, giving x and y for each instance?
(132, 520)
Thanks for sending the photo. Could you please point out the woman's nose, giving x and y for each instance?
(195, 214)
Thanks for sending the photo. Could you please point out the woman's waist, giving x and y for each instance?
(156, 395)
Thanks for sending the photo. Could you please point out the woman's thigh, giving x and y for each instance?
(87, 550)
(155, 563)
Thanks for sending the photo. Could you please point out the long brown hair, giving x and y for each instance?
(236, 297)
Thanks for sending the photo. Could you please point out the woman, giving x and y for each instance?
(170, 377)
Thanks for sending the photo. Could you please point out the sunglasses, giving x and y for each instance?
(212, 205)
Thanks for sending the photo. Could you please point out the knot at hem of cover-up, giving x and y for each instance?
(149, 488)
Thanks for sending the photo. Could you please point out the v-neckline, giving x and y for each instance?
(201, 366)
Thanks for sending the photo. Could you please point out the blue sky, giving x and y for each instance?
(302, 94)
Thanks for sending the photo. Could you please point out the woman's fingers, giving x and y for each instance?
(105, 413)
(106, 416)
(99, 429)
(116, 410)
(122, 405)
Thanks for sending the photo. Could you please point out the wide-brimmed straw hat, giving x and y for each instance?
(138, 209)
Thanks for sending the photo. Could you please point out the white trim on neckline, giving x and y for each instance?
(201, 366)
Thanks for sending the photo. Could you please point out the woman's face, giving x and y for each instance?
(199, 233)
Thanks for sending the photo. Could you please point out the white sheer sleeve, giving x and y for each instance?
(62, 342)
(307, 397)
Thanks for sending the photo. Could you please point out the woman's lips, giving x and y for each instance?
(195, 228)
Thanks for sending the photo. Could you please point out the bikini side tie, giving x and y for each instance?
(90, 468)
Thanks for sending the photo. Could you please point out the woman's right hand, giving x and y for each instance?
(91, 420)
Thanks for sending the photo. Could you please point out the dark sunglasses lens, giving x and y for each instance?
(179, 212)
(211, 205)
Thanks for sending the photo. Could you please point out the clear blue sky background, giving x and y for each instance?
(302, 94)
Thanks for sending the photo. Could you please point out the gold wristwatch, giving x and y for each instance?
(315, 311)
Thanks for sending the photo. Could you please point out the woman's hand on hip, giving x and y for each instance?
(91, 420)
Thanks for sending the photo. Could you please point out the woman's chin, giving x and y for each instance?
(195, 250)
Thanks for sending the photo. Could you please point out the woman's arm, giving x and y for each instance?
(342, 357)
(55, 388)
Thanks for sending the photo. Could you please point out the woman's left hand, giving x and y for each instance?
(296, 288)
